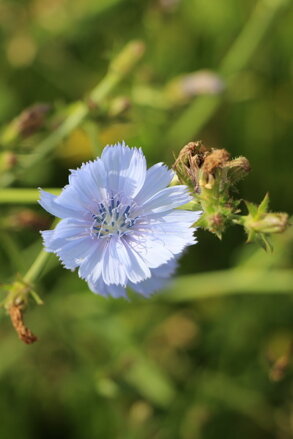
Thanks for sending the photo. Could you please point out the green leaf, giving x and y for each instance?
(264, 205)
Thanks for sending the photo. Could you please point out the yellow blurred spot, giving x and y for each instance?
(21, 50)
(107, 387)
(52, 15)
(279, 354)
(140, 412)
(115, 133)
(180, 331)
(77, 148)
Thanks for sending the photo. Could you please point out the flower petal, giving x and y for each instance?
(180, 217)
(70, 240)
(99, 287)
(69, 228)
(86, 188)
(173, 236)
(91, 267)
(159, 279)
(113, 269)
(165, 200)
(73, 252)
(151, 250)
(125, 167)
(157, 178)
(135, 267)
(48, 202)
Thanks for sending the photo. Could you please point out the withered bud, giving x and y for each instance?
(184, 87)
(119, 106)
(216, 159)
(27, 218)
(189, 161)
(237, 169)
(31, 119)
(197, 166)
(24, 333)
(279, 368)
(7, 160)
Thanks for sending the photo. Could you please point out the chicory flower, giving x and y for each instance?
(119, 223)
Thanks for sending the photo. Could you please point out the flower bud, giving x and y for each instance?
(31, 119)
(267, 223)
(259, 223)
(188, 163)
(26, 219)
(184, 87)
(237, 169)
(7, 161)
(119, 106)
(211, 175)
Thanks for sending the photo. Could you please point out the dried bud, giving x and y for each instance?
(185, 87)
(31, 119)
(211, 175)
(24, 333)
(27, 218)
(216, 159)
(279, 368)
(15, 303)
(237, 169)
(168, 5)
(7, 161)
(119, 106)
(125, 60)
(189, 162)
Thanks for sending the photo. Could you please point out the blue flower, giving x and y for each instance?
(120, 225)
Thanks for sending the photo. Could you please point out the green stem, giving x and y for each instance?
(201, 110)
(118, 69)
(39, 263)
(36, 268)
(23, 196)
(229, 282)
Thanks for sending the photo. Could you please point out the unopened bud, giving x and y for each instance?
(31, 119)
(259, 223)
(7, 161)
(268, 223)
(119, 105)
(216, 224)
(27, 219)
(125, 60)
(185, 87)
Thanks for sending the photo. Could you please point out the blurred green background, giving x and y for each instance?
(215, 367)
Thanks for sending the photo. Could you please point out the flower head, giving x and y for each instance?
(119, 224)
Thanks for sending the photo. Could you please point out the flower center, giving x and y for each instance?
(114, 217)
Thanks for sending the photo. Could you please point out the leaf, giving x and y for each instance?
(264, 205)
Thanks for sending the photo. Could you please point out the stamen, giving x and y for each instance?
(113, 218)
